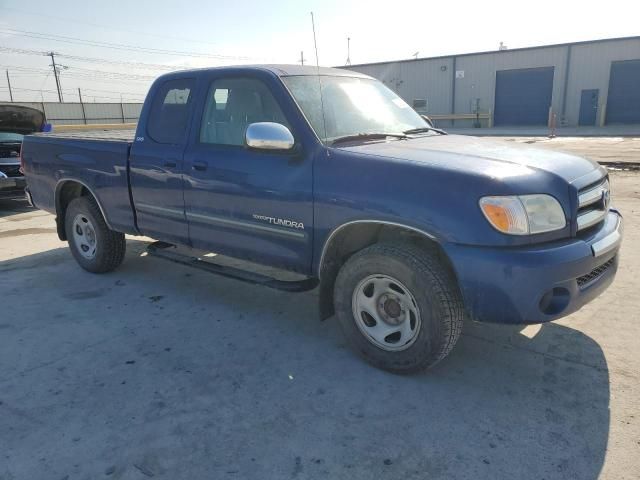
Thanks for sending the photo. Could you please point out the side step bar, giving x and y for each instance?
(164, 250)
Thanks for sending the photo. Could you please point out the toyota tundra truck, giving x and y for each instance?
(405, 230)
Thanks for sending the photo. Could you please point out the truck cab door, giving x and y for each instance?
(157, 161)
(248, 203)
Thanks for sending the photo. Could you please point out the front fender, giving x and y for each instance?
(438, 200)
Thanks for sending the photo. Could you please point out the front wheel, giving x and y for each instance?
(95, 247)
(398, 307)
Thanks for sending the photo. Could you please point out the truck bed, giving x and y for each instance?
(97, 160)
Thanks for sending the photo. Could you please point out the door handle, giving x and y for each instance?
(200, 166)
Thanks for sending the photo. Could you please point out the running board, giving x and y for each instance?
(164, 250)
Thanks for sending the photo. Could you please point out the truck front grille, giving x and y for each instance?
(595, 273)
(593, 204)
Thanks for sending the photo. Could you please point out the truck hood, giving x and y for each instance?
(19, 119)
(496, 158)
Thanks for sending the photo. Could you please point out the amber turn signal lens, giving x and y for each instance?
(497, 216)
(506, 214)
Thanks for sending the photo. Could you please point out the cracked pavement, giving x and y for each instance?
(156, 370)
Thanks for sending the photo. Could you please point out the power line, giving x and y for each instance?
(43, 84)
(139, 97)
(110, 91)
(116, 98)
(27, 75)
(142, 65)
(73, 71)
(26, 69)
(133, 76)
(116, 46)
(30, 89)
(74, 90)
(99, 75)
(138, 83)
(66, 20)
(77, 72)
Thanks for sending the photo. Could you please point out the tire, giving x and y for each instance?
(426, 319)
(83, 223)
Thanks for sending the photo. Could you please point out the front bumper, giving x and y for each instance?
(537, 284)
(12, 187)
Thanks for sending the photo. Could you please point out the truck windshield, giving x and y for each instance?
(352, 107)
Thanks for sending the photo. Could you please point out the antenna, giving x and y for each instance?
(348, 62)
(315, 45)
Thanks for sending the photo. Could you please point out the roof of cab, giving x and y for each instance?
(295, 70)
(279, 70)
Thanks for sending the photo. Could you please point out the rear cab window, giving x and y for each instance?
(170, 111)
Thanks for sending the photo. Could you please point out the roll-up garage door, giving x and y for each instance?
(623, 100)
(523, 96)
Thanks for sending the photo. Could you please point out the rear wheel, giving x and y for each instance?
(95, 247)
(398, 307)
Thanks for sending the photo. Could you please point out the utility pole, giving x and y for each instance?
(301, 58)
(55, 74)
(9, 83)
(84, 114)
(122, 109)
(348, 62)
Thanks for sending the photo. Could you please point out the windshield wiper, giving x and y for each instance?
(367, 136)
(425, 129)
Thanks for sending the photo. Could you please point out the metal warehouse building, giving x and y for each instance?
(592, 83)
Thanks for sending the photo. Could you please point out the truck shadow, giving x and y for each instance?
(12, 206)
(155, 363)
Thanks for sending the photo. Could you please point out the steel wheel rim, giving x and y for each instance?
(386, 312)
(84, 236)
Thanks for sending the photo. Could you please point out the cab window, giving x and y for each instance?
(169, 113)
(232, 105)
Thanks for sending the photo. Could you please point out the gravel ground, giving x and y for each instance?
(159, 371)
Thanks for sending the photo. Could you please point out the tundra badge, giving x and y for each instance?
(279, 221)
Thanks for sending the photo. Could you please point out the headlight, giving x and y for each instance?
(524, 214)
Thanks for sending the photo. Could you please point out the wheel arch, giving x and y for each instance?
(351, 237)
(66, 190)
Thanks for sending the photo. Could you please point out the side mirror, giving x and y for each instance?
(47, 127)
(428, 120)
(269, 136)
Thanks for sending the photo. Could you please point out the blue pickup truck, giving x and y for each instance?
(325, 172)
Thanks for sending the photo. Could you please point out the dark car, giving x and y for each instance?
(15, 122)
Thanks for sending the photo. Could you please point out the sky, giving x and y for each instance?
(114, 49)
